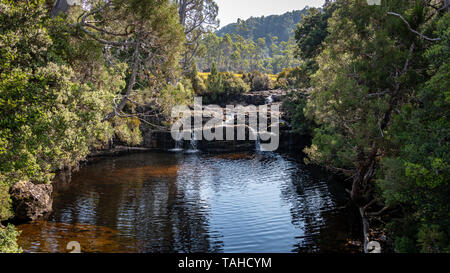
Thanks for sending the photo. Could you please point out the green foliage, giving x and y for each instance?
(257, 81)
(294, 105)
(374, 101)
(8, 240)
(222, 86)
(232, 84)
(197, 82)
(293, 78)
(59, 82)
(127, 129)
(350, 70)
(405, 245)
(180, 94)
(416, 174)
(51, 112)
(265, 27)
(312, 30)
(5, 200)
(236, 53)
(432, 239)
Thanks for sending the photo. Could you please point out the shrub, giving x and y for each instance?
(232, 84)
(5, 201)
(432, 240)
(257, 80)
(197, 81)
(180, 94)
(405, 245)
(198, 85)
(294, 105)
(8, 240)
(220, 87)
(293, 78)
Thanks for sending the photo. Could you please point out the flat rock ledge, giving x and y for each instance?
(31, 201)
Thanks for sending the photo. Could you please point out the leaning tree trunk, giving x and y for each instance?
(360, 193)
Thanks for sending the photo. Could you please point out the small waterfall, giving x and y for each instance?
(229, 120)
(193, 144)
(258, 143)
(269, 99)
(178, 146)
(193, 141)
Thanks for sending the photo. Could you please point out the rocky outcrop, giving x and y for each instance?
(163, 141)
(31, 201)
(260, 97)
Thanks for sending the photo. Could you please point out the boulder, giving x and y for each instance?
(31, 201)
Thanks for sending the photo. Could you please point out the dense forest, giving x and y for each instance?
(369, 84)
(282, 26)
(265, 44)
(379, 101)
(235, 53)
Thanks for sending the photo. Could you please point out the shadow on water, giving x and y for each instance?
(242, 202)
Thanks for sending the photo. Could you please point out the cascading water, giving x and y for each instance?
(258, 143)
(178, 146)
(193, 144)
(229, 119)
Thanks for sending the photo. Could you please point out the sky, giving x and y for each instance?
(231, 10)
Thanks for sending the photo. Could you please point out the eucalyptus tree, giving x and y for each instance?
(144, 34)
(198, 17)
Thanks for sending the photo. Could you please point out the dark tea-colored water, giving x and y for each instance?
(153, 202)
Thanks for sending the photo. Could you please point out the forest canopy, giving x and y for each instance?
(369, 84)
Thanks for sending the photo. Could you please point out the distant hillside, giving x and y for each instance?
(282, 26)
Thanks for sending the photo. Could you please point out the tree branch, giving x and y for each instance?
(412, 30)
(131, 83)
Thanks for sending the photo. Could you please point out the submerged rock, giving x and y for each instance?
(31, 201)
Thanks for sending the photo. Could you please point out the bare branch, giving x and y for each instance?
(412, 30)
(378, 213)
(379, 94)
(131, 83)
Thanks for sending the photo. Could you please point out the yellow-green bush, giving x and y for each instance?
(8, 240)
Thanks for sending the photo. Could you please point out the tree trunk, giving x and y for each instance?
(131, 83)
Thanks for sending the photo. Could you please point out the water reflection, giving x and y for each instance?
(243, 202)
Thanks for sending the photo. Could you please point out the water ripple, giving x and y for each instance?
(241, 202)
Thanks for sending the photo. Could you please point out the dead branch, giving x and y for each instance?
(412, 30)
(131, 83)
(378, 213)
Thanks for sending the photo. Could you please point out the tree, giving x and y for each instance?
(145, 34)
(197, 82)
(312, 30)
(60, 77)
(369, 68)
(54, 93)
(198, 17)
(265, 27)
(416, 170)
(310, 34)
